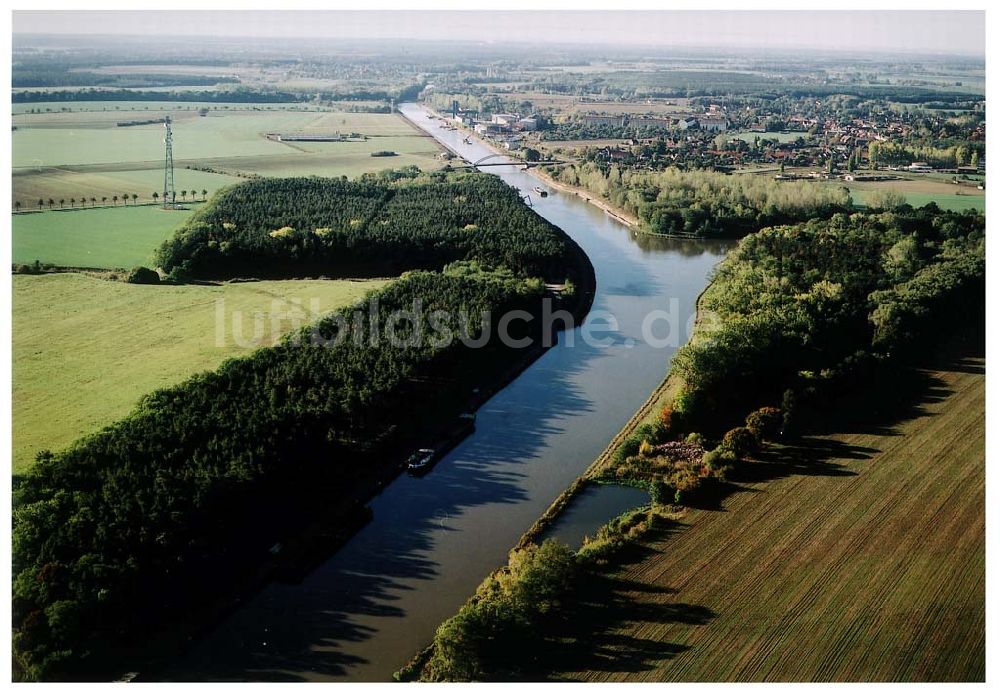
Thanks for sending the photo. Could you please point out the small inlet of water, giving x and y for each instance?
(595, 506)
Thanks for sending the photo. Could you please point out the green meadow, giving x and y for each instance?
(85, 350)
(945, 201)
(115, 237)
(83, 153)
(86, 138)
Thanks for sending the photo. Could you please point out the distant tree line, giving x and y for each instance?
(235, 96)
(667, 84)
(44, 77)
(408, 93)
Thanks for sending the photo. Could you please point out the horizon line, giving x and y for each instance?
(721, 48)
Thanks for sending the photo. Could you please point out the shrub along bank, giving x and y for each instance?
(704, 203)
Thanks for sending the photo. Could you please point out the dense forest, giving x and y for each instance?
(321, 226)
(805, 306)
(155, 517)
(704, 203)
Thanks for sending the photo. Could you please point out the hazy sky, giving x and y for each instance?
(917, 32)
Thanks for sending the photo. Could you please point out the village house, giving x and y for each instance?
(490, 128)
(713, 123)
(650, 122)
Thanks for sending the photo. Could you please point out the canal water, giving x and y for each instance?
(377, 601)
(590, 509)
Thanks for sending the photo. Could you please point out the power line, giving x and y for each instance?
(169, 192)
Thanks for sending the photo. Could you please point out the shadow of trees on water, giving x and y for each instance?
(332, 624)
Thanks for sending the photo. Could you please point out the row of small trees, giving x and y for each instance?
(93, 200)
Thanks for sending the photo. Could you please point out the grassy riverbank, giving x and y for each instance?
(618, 213)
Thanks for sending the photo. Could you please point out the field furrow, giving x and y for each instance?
(865, 561)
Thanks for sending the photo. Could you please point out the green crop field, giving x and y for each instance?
(86, 349)
(236, 134)
(121, 237)
(92, 138)
(74, 154)
(945, 201)
(104, 181)
(100, 332)
(858, 556)
(919, 190)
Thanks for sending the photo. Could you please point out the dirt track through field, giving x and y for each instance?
(852, 556)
